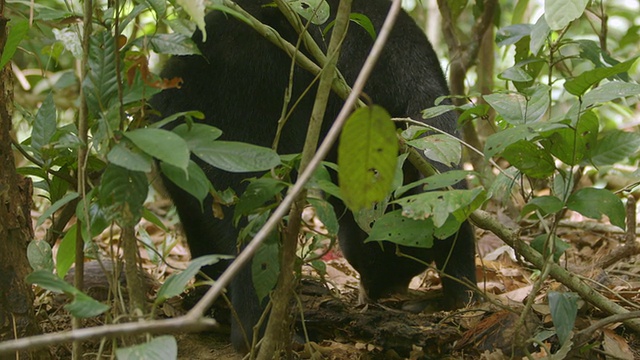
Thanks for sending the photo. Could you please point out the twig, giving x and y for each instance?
(176, 325)
(486, 221)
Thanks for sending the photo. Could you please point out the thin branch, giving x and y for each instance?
(168, 326)
(486, 221)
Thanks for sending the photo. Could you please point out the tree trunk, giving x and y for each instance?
(17, 317)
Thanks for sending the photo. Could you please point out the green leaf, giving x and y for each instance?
(171, 44)
(58, 188)
(438, 205)
(436, 111)
(265, 266)
(238, 157)
(176, 283)
(187, 115)
(83, 306)
(159, 348)
(17, 32)
(498, 142)
(316, 11)
(441, 148)
(434, 182)
(66, 255)
(545, 204)
(159, 6)
(511, 34)
(162, 144)
(564, 309)
(560, 13)
(364, 22)
(530, 159)
(154, 219)
(516, 74)
(559, 245)
(39, 255)
(593, 203)
(43, 12)
(609, 91)
(367, 157)
(46, 280)
(571, 145)
(257, 194)
(539, 35)
(97, 219)
(56, 206)
(592, 51)
(518, 108)
(579, 85)
(196, 10)
(122, 194)
(399, 229)
(101, 83)
(326, 214)
(198, 136)
(195, 182)
(615, 146)
(44, 124)
(130, 158)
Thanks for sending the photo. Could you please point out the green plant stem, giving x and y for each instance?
(83, 130)
(276, 338)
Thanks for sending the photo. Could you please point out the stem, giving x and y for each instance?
(275, 340)
(273, 221)
(83, 129)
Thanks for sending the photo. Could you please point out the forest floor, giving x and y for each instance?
(410, 326)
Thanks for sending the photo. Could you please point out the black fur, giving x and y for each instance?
(239, 84)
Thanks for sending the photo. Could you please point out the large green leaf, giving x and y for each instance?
(177, 282)
(56, 206)
(44, 124)
(237, 156)
(564, 309)
(198, 136)
(498, 142)
(194, 181)
(172, 44)
(40, 255)
(593, 203)
(525, 108)
(367, 157)
(530, 159)
(438, 205)
(122, 194)
(571, 145)
(579, 85)
(399, 229)
(316, 11)
(258, 193)
(265, 266)
(614, 147)
(196, 10)
(160, 348)
(82, 305)
(17, 32)
(441, 148)
(560, 13)
(101, 83)
(122, 154)
(162, 144)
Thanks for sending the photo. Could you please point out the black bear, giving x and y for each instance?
(239, 82)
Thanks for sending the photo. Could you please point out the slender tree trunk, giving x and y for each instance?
(17, 317)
